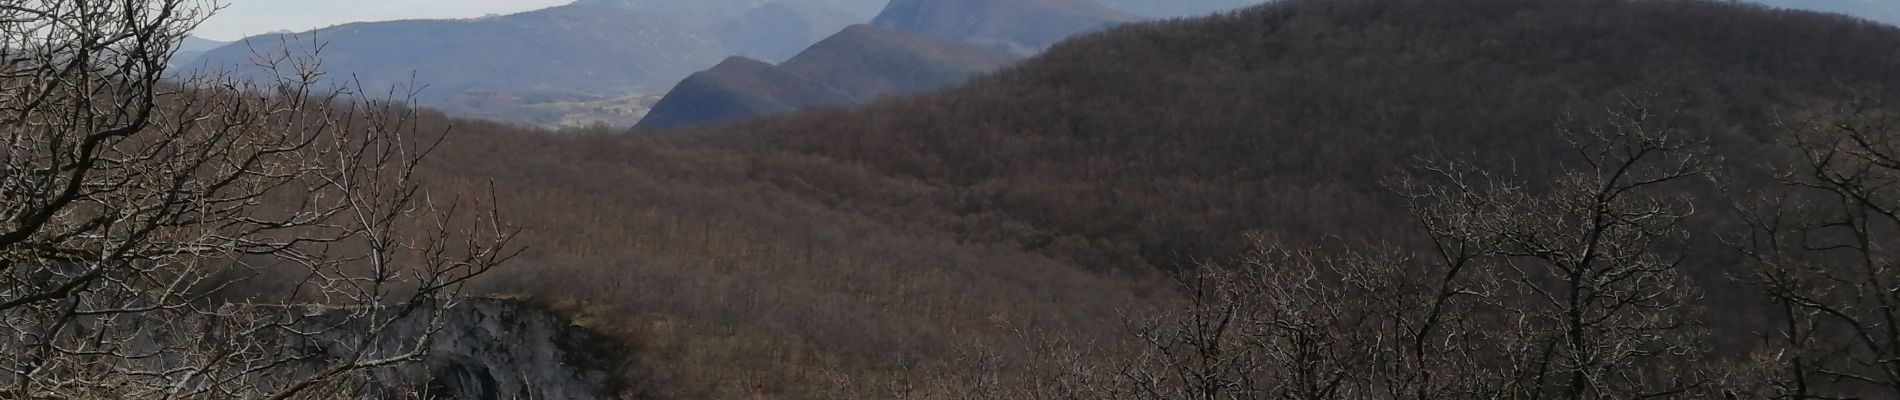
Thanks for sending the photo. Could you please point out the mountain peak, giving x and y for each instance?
(741, 63)
(854, 66)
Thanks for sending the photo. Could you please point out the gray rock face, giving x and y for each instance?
(483, 349)
(500, 349)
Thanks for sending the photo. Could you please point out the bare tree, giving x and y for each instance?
(1324, 324)
(1595, 306)
(132, 204)
(1561, 290)
(1822, 248)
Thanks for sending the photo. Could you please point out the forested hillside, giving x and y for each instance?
(912, 46)
(917, 244)
(741, 87)
(1158, 144)
(1178, 8)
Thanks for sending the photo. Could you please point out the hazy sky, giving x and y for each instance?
(243, 18)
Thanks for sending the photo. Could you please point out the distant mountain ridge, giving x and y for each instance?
(588, 62)
(730, 8)
(740, 87)
(562, 66)
(193, 47)
(1177, 8)
(709, 9)
(778, 30)
(575, 48)
(912, 46)
(869, 62)
(596, 61)
(853, 67)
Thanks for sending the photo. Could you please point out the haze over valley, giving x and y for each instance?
(611, 61)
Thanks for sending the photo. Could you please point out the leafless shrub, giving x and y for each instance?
(131, 202)
(1567, 290)
(1821, 246)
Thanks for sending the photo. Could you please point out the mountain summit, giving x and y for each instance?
(853, 67)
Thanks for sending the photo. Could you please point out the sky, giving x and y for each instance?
(243, 18)
(1879, 10)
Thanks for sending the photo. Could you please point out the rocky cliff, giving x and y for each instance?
(502, 349)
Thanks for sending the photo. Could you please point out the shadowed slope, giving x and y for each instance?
(740, 87)
(1177, 8)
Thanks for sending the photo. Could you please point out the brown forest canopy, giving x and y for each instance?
(1161, 143)
(882, 241)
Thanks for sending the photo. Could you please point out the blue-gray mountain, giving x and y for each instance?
(912, 46)
(568, 65)
(577, 48)
(778, 30)
(855, 66)
(193, 47)
(730, 8)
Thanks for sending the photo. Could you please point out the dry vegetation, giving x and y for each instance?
(1312, 199)
(131, 206)
(728, 287)
(950, 244)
